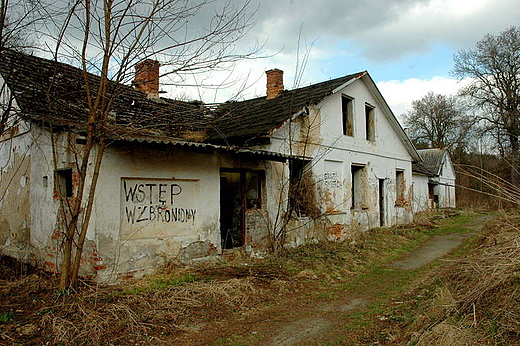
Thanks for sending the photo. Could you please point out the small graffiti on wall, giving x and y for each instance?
(153, 207)
(332, 180)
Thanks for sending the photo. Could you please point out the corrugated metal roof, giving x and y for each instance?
(265, 154)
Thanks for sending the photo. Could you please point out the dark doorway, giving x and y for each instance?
(239, 191)
(381, 202)
(231, 210)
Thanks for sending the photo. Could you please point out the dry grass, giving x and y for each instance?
(149, 310)
(161, 309)
(475, 299)
(486, 282)
(446, 334)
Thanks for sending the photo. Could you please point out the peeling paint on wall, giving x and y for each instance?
(197, 250)
(15, 236)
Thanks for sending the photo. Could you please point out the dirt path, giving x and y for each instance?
(438, 246)
(304, 319)
(435, 248)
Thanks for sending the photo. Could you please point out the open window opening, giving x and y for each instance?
(240, 190)
(64, 182)
(399, 187)
(369, 123)
(382, 203)
(348, 115)
(302, 197)
(431, 195)
(358, 186)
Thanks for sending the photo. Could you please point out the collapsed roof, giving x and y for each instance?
(54, 92)
(50, 91)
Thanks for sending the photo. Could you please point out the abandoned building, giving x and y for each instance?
(183, 181)
(434, 180)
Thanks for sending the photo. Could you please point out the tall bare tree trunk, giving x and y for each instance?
(88, 213)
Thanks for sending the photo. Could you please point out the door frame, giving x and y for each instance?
(243, 197)
(382, 203)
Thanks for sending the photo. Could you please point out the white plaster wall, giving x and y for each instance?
(387, 143)
(15, 185)
(107, 255)
(124, 255)
(421, 201)
(43, 214)
(446, 187)
(141, 255)
(447, 178)
(383, 156)
(15, 181)
(27, 177)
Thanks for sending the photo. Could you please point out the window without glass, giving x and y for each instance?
(301, 189)
(369, 123)
(64, 182)
(399, 187)
(358, 185)
(348, 115)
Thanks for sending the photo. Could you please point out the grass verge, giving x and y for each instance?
(175, 304)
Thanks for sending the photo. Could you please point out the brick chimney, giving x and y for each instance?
(147, 77)
(274, 83)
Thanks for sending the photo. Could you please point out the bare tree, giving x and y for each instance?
(18, 21)
(438, 121)
(108, 38)
(494, 67)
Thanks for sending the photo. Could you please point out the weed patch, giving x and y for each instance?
(6, 317)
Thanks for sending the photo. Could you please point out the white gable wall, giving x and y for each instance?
(446, 187)
(387, 143)
(334, 154)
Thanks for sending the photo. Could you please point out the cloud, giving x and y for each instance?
(355, 35)
(454, 23)
(382, 32)
(399, 94)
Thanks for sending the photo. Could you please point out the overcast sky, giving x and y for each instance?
(407, 46)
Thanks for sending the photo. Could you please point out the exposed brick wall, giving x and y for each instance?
(90, 261)
(257, 229)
